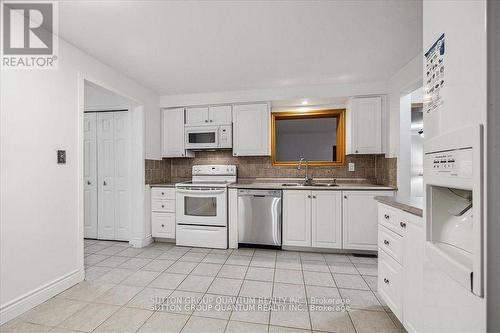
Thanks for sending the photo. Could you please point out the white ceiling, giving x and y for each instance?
(180, 47)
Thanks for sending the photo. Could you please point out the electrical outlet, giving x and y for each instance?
(61, 157)
(351, 167)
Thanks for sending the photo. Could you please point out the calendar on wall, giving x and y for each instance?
(434, 76)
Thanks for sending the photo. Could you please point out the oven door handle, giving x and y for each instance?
(200, 191)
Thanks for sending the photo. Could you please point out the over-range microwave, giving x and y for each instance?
(209, 137)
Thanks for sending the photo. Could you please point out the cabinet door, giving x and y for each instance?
(297, 218)
(220, 114)
(414, 247)
(172, 133)
(197, 115)
(106, 175)
(360, 219)
(90, 175)
(163, 225)
(366, 125)
(251, 130)
(326, 219)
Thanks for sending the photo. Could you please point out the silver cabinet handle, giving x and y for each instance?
(206, 120)
(162, 206)
(314, 197)
(309, 196)
(357, 151)
(104, 183)
(402, 224)
(88, 182)
(162, 225)
(162, 193)
(386, 281)
(211, 121)
(386, 242)
(386, 216)
(345, 196)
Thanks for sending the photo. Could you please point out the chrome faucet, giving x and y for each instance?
(307, 178)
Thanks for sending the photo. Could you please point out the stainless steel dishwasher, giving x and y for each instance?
(259, 217)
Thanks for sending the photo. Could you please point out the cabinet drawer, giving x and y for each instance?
(162, 193)
(163, 225)
(389, 283)
(166, 205)
(391, 219)
(391, 243)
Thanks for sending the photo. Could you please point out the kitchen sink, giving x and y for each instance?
(313, 184)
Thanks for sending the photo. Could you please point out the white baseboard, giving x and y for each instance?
(31, 299)
(141, 242)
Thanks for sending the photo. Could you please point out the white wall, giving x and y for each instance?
(98, 99)
(276, 94)
(41, 247)
(406, 80)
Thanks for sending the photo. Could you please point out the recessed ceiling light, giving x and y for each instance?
(304, 102)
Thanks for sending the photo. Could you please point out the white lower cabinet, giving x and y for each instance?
(326, 219)
(297, 218)
(360, 219)
(163, 212)
(312, 218)
(400, 264)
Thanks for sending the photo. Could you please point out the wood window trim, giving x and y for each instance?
(337, 113)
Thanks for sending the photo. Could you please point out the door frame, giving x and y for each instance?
(137, 228)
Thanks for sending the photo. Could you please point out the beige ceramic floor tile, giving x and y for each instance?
(141, 278)
(331, 321)
(164, 322)
(125, 320)
(233, 271)
(88, 318)
(17, 326)
(349, 281)
(372, 321)
(118, 295)
(288, 276)
(205, 325)
(168, 281)
(52, 312)
(318, 279)
(196, 283)
(223, 286)
(260, 274)
(256, 289)
(295, 319)
(149, 298)
(241, 327)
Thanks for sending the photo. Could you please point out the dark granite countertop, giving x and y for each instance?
(413, 205)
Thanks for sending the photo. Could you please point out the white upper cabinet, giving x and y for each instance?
(204, 115)
(251, 124)
(197, 115)
(172, 133)
(360, 219)
(364, 126)
(220, 114)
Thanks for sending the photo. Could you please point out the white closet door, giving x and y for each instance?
(106, 175)
(122, 172)
(90, 175)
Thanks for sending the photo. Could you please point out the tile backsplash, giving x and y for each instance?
(372, 168)
(157, 171)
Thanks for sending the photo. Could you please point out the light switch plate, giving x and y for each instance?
(352, 167)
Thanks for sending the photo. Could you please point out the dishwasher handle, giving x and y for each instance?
(260, 193)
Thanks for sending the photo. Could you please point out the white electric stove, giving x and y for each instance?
(201, 207)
